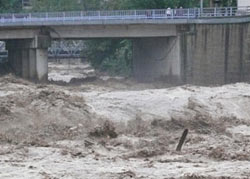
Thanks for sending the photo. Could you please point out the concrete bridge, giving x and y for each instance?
(208, 46)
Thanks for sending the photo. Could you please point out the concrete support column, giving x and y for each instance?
(157, 59)
(29, 58)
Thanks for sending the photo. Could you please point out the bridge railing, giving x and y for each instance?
(60, 54)
(193, 13)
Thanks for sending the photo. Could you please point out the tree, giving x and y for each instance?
(10, 6)
(229, 3)
(158, 4)
(54, 5)
(113, 56)
(67, 5)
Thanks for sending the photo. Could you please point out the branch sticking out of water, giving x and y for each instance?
(182, 140)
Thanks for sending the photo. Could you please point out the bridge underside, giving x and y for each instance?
(157, 58)
(198, 54)
(28, 46)
(91, 31)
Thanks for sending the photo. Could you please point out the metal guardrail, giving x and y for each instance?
(193, 13)
(65, 55)
(62, 54)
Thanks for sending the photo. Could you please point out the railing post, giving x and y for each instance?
(89, 15)
(153, 14)
(247, 10)
(172, 13)
(188, 13)
(47, 16)
(105, 15)
(99, 14)
(199, 13)
(215, 12)
(63, 16)
(30, 17)
(231, 11)
(13, 18)
(135, 13)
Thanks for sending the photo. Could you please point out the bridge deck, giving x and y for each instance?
(194, 15)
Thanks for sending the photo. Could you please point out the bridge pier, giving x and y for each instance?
(217, 54)
(157, 58)
(29, 58)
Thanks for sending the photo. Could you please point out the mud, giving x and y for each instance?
(120, 129)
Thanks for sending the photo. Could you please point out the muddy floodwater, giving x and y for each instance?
(114, 128)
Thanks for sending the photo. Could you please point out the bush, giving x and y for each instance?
(112, 56)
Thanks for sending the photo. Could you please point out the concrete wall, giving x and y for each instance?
(157, 58)
(203, 54)
(241, 3)
(216, 54)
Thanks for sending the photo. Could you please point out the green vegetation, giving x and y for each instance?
(53, 5)
(8, 6)
(115, 55)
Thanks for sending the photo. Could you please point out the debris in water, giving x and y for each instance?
(182, 140)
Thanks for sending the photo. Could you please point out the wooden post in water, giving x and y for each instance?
(182, 140)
